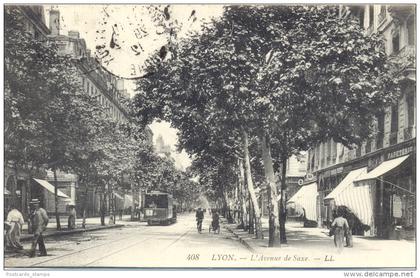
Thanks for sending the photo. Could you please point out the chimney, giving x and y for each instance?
(55, 22)
(74, 34)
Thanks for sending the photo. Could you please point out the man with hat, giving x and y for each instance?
(39, 224)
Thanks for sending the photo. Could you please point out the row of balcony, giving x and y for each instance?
(379, 142)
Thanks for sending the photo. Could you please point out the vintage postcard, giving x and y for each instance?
(239, 136)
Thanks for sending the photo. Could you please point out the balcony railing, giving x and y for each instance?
(406, 56)
(382, 14)
(408, 133)
(393, 138)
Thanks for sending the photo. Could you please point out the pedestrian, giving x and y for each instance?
(199, 216)
(15, 222)
(339, 228)
(349, 233)
(72, 217)
(39, 221)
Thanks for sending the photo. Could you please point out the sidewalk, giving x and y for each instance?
(92, 224)
(315, 244)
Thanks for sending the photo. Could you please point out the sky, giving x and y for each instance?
(86, 19)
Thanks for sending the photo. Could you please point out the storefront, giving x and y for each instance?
(304, 203)
(44, 191)
(394, 194)
(328, 180)
(357, 198)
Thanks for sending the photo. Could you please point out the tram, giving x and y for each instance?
(159, 208)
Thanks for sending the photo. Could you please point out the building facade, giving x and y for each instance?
(17, 180)
(376, 181)
(103, 86)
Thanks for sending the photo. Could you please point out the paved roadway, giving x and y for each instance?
(139, 245)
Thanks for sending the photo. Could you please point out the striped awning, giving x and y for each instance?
(382, 169)
(346, 182)
(306, 198)
(358, 197)
(50, 188)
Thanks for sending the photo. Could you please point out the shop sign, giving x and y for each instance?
(400, 152)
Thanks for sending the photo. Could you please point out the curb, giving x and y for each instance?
(241, 239)
(29, 237)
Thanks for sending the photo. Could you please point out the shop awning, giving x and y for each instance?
(382, 169)
(356, 197)
(346, 182)
(50, 188)
(306, 198)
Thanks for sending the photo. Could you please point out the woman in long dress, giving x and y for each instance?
(340, 227)
(15, 221)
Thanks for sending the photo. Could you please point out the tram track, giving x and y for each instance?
(135, 244)
(82, 250)
(129, 238)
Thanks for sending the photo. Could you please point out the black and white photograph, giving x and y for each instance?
(209, 136)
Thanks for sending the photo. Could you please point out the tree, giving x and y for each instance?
(43, 102)
(258, 72)
(328, 70)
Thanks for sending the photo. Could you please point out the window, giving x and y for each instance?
(396, 42)
(371, 13)
(328, 152)
(411, 31)
(361, 17)
(394, 125)
(380, 135)
(368, 146)
(394, 118)
(358, 151)
(410, 109)
(333, 151)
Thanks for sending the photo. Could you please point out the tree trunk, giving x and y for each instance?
(243, 195)
(250, 184)
(84, 206)
(228, 208)
(274, 225)
(283, 201)
(25, 203)
(57, 216)
(102, 207)
(132, 205)
(251, 218)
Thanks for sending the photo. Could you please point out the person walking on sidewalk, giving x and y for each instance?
(349, 234)
(39, 221)
(15, 222)
(340, 227)
(72, 217)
